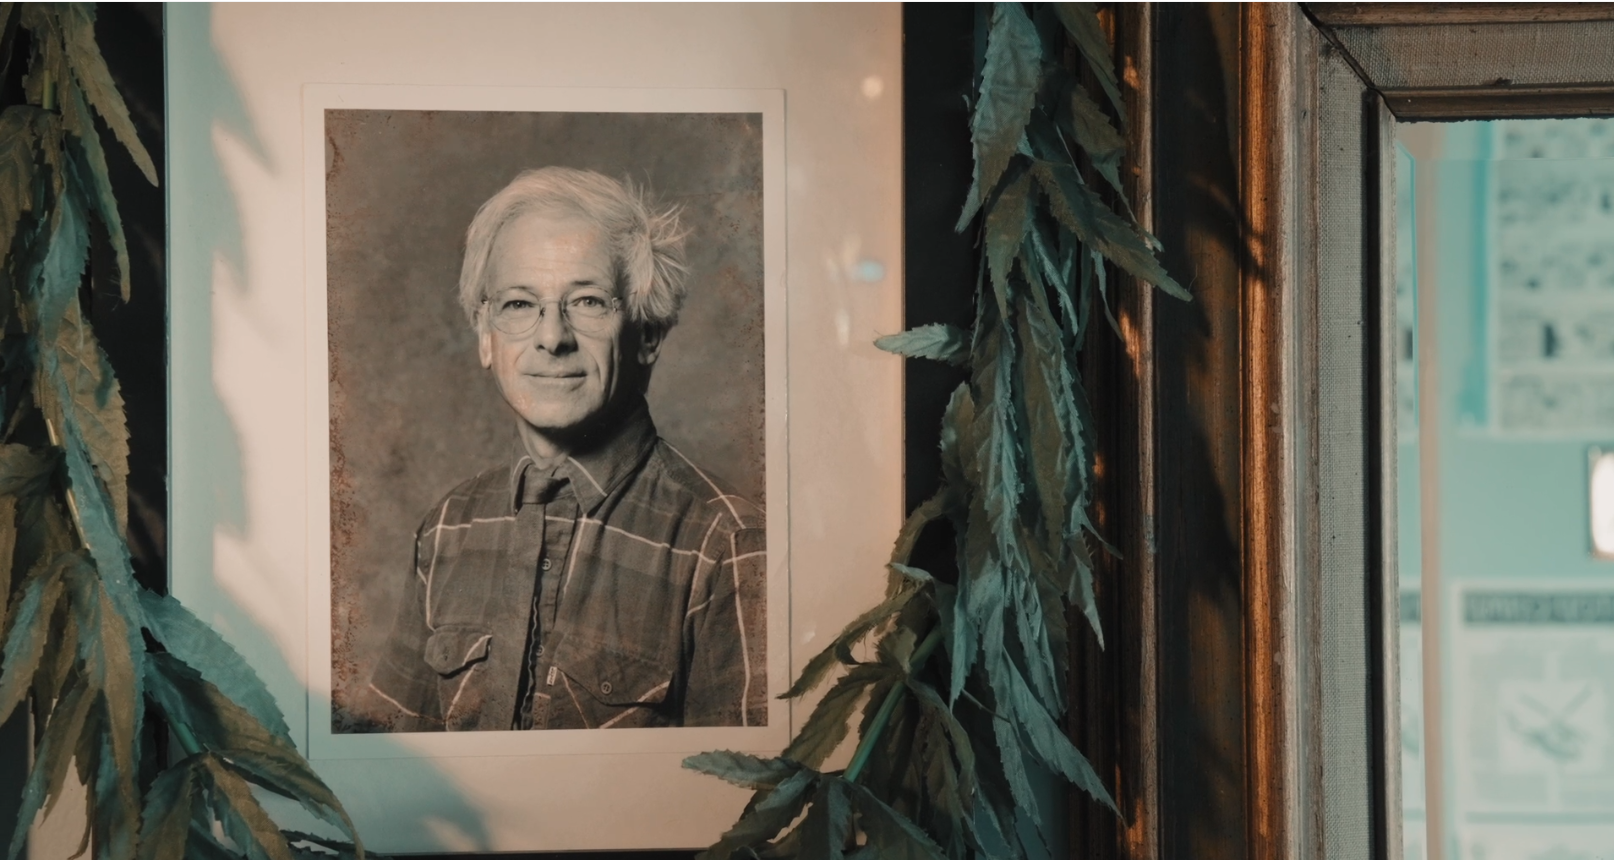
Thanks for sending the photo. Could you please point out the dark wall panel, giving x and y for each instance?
(941, 264)
(1201, 686)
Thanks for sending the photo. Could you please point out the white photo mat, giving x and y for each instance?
(624, 762)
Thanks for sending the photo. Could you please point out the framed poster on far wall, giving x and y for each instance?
(549, 372)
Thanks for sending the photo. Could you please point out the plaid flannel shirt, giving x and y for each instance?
(658, 612)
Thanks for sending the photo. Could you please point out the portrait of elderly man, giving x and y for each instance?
(602, 579)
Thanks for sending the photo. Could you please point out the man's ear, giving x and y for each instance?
(484, 344)
(651, 337)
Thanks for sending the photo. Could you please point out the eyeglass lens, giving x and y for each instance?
(586, 312)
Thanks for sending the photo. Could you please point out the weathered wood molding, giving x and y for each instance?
(1425, 14)
(1270, 141)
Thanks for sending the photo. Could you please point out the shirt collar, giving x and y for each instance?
(597, 470)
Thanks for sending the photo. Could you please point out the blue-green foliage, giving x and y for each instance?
(74, 639)
(937, 341)
(965, 698)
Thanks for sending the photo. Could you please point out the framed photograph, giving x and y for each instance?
(579, 289)
(454, 298)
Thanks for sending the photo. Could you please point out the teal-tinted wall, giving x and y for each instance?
(1510, 508)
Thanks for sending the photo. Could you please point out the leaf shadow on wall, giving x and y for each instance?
(212, 276)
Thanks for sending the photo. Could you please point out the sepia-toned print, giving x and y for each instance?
(546, 420)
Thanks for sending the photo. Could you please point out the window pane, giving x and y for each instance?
(1505, 303)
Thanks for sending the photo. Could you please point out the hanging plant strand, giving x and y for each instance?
(76, 639)
(964, 697)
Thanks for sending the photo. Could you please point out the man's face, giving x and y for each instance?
(555, 377)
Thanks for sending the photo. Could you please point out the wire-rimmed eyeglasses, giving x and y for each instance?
(585, 311)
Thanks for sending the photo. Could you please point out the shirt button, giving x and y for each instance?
(605, 687)
(540, 650)
(544, 565)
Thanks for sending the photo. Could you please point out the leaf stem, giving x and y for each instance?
(187, 740)
(56, 441)
(865, 747)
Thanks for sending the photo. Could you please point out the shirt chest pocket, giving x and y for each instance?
(458, 654)
(608, 687)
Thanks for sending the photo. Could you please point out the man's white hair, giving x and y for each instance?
(646, 244)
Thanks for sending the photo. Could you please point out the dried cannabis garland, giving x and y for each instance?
(967, 687)
(82, 641)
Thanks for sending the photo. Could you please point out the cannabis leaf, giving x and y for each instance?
(1008, 91)
(940, 342)
(742, 769)
(16, 170)
(77, 25)
(963, 699)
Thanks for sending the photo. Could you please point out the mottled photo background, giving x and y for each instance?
(413, 413)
